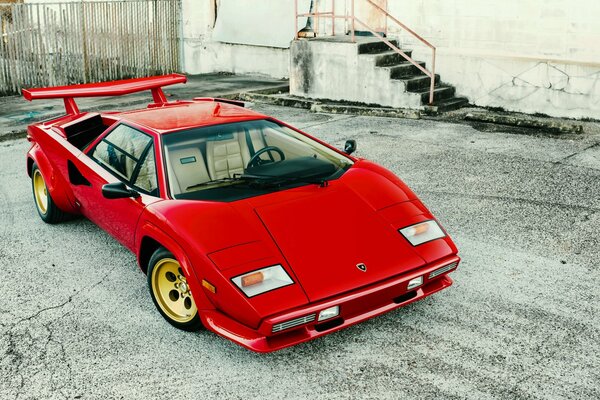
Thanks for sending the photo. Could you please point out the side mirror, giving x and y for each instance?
(118, 190)
(350, 146)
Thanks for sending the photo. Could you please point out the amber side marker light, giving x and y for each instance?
(209, 286)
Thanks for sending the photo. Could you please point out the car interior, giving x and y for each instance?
(227, 150)
(215, 157)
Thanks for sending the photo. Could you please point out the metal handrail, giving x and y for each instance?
(353, 19)
(420, 38)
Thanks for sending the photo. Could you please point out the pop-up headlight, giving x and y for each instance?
(422, 232)
(262, 280)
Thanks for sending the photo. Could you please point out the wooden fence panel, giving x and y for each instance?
(62, 43)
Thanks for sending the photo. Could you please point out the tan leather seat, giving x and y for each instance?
(186, 167)
(226, 157)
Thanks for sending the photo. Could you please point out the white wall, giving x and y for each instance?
(204, 54)
(534, 56)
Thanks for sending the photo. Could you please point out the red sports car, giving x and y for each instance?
(243, 224)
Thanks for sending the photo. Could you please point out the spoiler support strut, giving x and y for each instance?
(114, 88)
(71, 106)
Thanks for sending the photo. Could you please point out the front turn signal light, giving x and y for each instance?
(422, 232)
(252, 279)
(262, 280)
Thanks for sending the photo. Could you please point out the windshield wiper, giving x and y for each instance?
(214, 182)
(279, 180)
(264, 179)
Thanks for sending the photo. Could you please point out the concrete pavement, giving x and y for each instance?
(521, 322)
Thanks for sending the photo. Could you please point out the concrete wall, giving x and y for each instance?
(204, 54)
(534, 56)
(333, 70)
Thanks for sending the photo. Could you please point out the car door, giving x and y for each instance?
(125, 154)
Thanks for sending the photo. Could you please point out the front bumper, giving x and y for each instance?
(355, 306)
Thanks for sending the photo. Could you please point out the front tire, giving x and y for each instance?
(44, 204)
(170, 291)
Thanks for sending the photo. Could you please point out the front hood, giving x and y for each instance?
(325, 236)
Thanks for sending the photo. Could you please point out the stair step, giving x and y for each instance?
(452, 103)
(390, 58)
(439, 93)
(375, 46)
(405, 70)
(419, 83)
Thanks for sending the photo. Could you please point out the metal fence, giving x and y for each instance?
(49, 44)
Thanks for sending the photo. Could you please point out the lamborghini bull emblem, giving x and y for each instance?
(362, 267)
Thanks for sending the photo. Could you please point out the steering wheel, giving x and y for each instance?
(255, 160)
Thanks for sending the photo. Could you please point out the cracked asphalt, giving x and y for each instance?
(521, 322)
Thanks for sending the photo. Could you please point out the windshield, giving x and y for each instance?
(244, 159)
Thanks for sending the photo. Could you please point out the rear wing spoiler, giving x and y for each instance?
(114, 88)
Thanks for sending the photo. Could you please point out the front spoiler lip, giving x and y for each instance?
(263, 341)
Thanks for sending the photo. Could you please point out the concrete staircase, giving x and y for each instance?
(367, 71)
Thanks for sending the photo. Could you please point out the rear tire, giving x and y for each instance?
(44, 204)
(170, 291)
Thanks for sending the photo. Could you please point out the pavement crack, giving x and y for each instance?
(327, 122)
(562, 160)
(24, 350)
(69, 299)
(58, 380)
(489, 150)
(513, 199)
(43, 310)
(8, 214)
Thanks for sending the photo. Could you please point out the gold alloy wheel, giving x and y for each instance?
(40, 191)
(172, 292)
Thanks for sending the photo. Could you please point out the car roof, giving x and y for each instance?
(185, 115)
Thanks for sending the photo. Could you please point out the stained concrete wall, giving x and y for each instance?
(534, 56)
(203, 53)
(332, 69)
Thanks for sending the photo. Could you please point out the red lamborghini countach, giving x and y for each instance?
(243, 224)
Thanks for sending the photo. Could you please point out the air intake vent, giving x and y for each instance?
(294, 322)
(440, 271)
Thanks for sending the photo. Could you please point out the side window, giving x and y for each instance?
(128, 154)
(146, 176)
